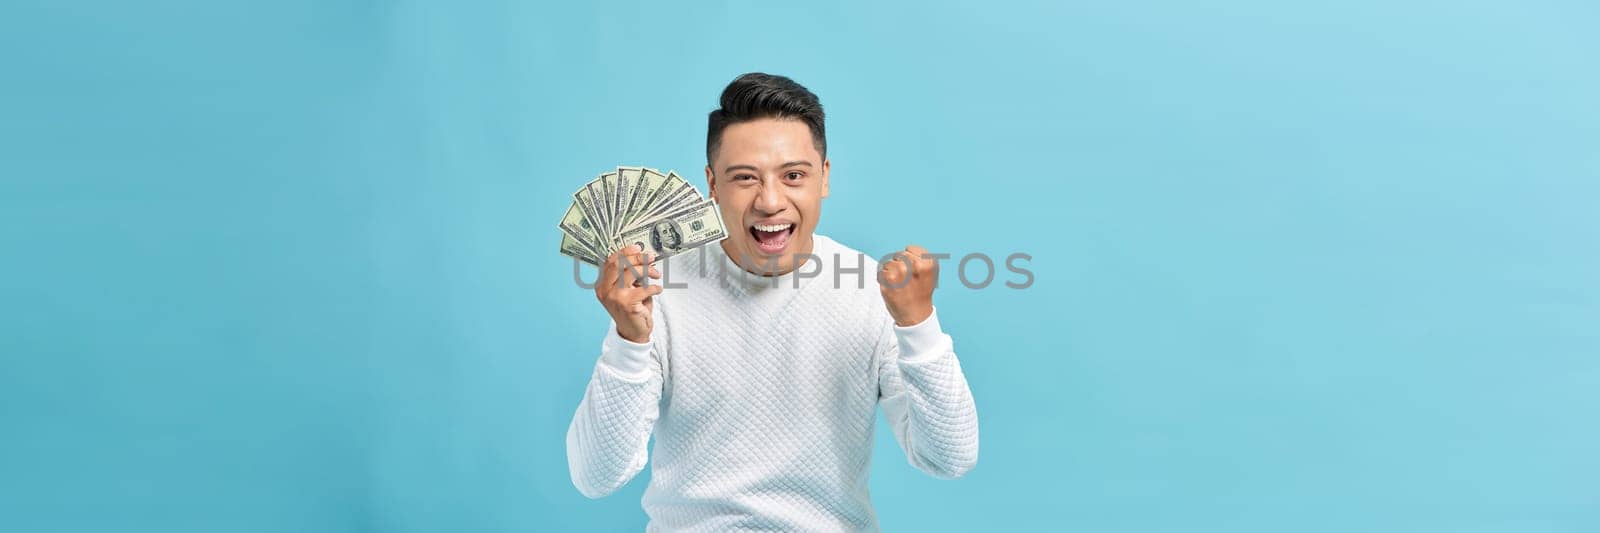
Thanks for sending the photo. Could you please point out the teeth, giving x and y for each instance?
(774, 227)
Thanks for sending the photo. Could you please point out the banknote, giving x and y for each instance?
(678, 232)
(577, 226)
(677, 194)
(662, 213)
(588, 199)
(627, 184)
(650, 184)
(570, 247)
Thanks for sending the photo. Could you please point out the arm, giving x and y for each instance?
(607, 442)
(609, 435)
(926, 399)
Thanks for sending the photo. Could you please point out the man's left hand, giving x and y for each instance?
(907, 284)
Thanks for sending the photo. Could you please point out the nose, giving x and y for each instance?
(769, 200)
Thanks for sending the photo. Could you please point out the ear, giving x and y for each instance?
(826, 167)
(711, 183)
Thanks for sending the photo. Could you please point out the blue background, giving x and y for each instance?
(292, 266)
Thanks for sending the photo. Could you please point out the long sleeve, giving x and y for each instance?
(607, 442)
(926, 400)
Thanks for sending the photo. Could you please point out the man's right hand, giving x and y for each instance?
(626, 294)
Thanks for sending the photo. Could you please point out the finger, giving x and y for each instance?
(619, 257)
(892, 272)
(894, 258)
(909, 259)
(654, 273)
(637, 296)
(608, 273)
(643, 268)
(643, 307)
(632, 269)
(920, 260)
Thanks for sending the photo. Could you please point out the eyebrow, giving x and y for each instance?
(754, 169)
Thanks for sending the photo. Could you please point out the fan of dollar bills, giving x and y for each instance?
(661, 213)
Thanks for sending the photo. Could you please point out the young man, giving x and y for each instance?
(759, 367)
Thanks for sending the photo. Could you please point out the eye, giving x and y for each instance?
(742, 177)
(794, 176)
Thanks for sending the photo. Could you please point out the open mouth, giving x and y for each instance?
(772, 238)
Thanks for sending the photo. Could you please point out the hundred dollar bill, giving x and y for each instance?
(650, 185)
(676, 181)
(677, 184)
(576, 224)
(589, 202)
(608, 197)
(678, 232)
(681, 196)
(570, 247)
(627, 187)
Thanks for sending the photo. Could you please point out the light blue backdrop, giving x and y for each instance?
(292, 266)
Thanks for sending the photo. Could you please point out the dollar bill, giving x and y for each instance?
(608, 180)
(627, 187)
(678, 232)
(570, 247)
(589, 200)
(650, 185)
(681, 195)
(605, 186)
(660, 212)
(576, 224)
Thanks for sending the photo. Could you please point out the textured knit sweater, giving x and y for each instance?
(762, 393)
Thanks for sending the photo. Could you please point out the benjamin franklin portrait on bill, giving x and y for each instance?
(664, 236)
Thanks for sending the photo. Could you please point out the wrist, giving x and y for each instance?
(633, 336)
(913, 316)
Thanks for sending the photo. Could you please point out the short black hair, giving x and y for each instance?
(759, 95)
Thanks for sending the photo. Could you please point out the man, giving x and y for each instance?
(759, 367)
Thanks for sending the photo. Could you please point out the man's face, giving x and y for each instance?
(769, 180)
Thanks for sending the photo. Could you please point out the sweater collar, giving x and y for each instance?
(822, 250)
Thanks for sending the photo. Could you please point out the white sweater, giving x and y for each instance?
(763, 399)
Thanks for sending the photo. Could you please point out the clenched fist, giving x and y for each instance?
(625, 293)
(907, 284)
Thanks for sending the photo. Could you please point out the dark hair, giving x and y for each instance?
(759, 95)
